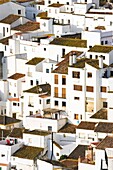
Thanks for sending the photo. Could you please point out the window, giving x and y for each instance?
(38, 7)
(80, 116)
(55, 11)
(75, 74)
(56, 103)
(96, 56)
(31, 82)
(49, 128)
(14, 104)
(40, 101)
(103, 57)
(31, 113)
(76, 98)
(104, 104)
(106, 42)
(103, 89)
(49, 10)
(63, 104)
(48, 101)
(57, 154)
(5, 47)
(25, 48)
(2, 155)
(76, 116)
(56, 91)
(111, 73)
(49, 2)
(7, 29)
(34, 16)
(90, 56)
(63, 50)
(37, 82)
(67, 3)
(90, 46)
(19, 11)
(89, 89)
(44, 49)
(78, 87)
(3, 31)
(102, 42)
(63, 92)
(89, 75)
(68, 21)
(30, 140)
(14, 94)
(47, 70)
(56, 79)
(71, 9)
(63, 80)
(57, 2)
(18, 104)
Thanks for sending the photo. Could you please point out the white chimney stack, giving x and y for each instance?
(100, 61)
(74, 58)
(70, 60)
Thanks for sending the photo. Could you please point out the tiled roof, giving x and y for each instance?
(104, 127)
(5, 120)
(63, 65)
(4, 1)
(16, 76)
(107, 142)
(42, 14)
(37, 132)
(23, 1)
(68, 128)
(4, 133)
(35, 61)
(56, 5)
(70, 42)
(5, 41)
(17, 133)
(10, 19)
(28, 152)
(43, 88)
(55, 143)
(70, 163)
(13, 99)
(78, 151)
(86, 125)
(104, 12)
(29, 26)
(101, 49)
(101, 114)
(100, 28)
(95, 63)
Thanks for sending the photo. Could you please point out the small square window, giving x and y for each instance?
(40, 101)
(14, 94)
(56, 103)
(47, 70)
(49, 2)
(96, 56)
(57, 154)
(89, 75)
(76, 98)
(106, 42)
(90, 56)
(44, 49)
(19, 11)
(48, 101)
(76, 116)
(104, 104)
(67, 3)
(31, 113)
(14, 104)
(49, 128)
(31, 82)
(63, 104)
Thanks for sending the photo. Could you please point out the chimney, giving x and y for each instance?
(74, 58)
(71, 60)
(101, 61)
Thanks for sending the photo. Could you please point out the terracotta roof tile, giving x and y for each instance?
(37, 132)
(70, 42)
(104, 127)
(107, 142)
(101, 49)
(101, 114)
(35, 61)
(5, 120)
(28, 152)
(16, 76)
(86, 125)
(29, 26)
(10, 19)
(56, 5)
(68, 128)
(5, 41)
(14, 99)
(43, 88)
